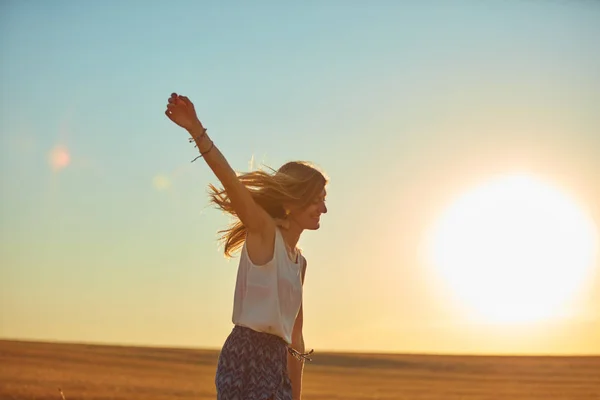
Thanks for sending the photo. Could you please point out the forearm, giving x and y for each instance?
(213, 157)
(246, 209)
(295, 369)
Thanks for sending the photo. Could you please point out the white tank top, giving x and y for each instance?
(268, 297)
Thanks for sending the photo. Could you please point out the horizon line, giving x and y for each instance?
(324, 351)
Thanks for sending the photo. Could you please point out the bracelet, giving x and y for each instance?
(212, 144)
(193, 139)
(300, 356)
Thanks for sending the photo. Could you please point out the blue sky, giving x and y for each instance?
(404, 105)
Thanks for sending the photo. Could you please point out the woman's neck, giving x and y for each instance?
(291, 236)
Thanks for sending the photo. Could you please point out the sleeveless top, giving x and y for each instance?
(268, 297)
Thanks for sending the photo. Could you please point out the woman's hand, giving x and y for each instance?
(181, 111)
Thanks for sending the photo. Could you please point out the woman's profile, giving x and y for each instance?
(263, 356)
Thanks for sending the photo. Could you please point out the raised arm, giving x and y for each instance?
(256, 220)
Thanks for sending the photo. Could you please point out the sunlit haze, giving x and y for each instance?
(462, 140)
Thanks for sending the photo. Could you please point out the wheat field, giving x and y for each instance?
(31, 370)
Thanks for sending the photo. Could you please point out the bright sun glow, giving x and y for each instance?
(514, 250)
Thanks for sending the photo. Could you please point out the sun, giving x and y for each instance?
(514, 250)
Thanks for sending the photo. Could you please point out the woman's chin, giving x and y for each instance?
(312, 224)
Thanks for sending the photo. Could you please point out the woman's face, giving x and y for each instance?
(310, 216)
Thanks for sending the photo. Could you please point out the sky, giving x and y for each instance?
(107, 235)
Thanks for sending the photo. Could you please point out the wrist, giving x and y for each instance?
(199, 135)
(197, 131)
(203, 142)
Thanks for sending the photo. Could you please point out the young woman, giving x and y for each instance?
(263, 356)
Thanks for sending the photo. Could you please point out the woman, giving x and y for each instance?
(263, 356)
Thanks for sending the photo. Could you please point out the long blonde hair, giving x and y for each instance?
(296, 182)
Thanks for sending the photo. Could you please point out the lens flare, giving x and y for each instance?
(59, 158)
(161, 182)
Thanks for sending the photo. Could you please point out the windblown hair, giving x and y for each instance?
(296, 182)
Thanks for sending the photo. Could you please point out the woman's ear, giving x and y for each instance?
(287, 209)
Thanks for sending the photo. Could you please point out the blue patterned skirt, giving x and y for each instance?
(253, 366)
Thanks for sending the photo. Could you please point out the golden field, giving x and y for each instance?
(30, 370)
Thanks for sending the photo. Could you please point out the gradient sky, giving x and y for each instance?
(404, 107)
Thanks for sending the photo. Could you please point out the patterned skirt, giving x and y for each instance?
(253, 366)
